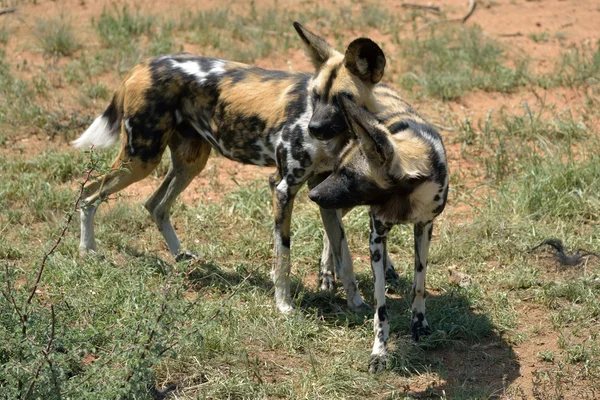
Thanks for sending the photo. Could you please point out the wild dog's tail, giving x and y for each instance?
(104, 131)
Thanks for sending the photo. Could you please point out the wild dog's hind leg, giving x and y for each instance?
(419, 325)
(124, 172)
(188, 158)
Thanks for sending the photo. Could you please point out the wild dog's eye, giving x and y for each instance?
(348, 95)
(316, 97)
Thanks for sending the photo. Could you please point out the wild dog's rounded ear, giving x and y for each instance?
(318, 49)
(369, 131)
(365, 59)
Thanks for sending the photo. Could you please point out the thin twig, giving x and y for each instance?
(163, 309)
(62, 234)
(11, 299)
(442, 127)
(462, 20)
(8, 10)
(510, 34)
(45, 352)
(472, 5)
(433, 9)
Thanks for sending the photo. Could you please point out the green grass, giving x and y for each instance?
(540, 37)
(4, 34)
(56, 37)
(449, 62)
(251, 351)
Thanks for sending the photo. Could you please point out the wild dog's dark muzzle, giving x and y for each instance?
(319, 130)
(326, 123)
(330, 194)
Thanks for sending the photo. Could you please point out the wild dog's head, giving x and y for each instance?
(374, 168)
(354, 74)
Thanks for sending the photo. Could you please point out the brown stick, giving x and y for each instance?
(46, 354)
(60, 237)
(462, 20)
(472, 5)
(8, 10)
(433, 9)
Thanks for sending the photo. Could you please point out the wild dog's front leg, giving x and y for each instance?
(419, 325)
(283, 200)
(332, 221)
(326, 268)
(381, 325)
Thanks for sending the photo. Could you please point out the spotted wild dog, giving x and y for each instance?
(396, 164)
(255, 116)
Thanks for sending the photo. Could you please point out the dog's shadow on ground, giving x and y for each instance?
(464, 350)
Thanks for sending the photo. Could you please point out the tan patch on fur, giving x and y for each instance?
(422, 204)
(412, 154)
(345, 81)
(252, 96)
(135, 85)
(194, 150)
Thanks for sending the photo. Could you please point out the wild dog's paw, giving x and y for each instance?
(328, 283)
(377, 363)
(185, 256)
(419, 326)
(360, 307)
(285, 308)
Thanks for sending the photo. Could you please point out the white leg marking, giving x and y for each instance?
(280, 274)
(422, 241)
(381, 326)
(332, 221)
(87, 240)
(327, 271)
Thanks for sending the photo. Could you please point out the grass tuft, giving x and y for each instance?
(56, 37)
(453, 61)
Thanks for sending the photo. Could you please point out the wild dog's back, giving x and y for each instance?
(239, 109)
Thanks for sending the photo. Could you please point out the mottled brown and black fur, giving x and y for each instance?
(193, 104)
(396, 164)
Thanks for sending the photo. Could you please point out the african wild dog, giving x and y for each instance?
(255, 116)
(397, 165)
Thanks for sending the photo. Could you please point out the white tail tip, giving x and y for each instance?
(99, 135)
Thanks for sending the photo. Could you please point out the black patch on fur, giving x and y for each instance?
(297, 141)
(298, 172)
(380, 228)
(382, 313)
(398, 126)
(285, 241)
(298, 94)
(376, 256)
(418, 234)
(281, 156)
(329, 83)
